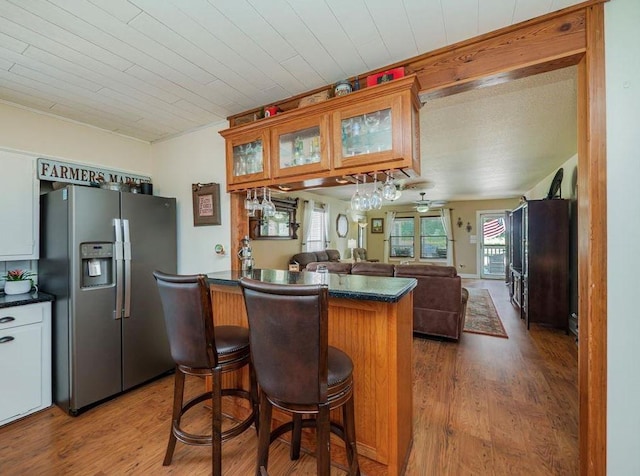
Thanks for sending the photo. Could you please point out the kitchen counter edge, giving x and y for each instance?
(11, 300)
(345, 286)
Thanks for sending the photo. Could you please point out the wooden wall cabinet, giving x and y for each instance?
(370, 130)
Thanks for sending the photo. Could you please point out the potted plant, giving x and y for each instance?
(18, 281)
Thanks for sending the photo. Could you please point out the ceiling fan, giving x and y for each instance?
(423, 206)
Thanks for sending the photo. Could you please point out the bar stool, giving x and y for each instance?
(297, 370)
(199, 348)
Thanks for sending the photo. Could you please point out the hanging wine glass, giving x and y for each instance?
(248, 205)
(389, 189)
(356, 199)
(255, 201)
(264, 204)
(365, 198)
(268, 208)
(376, 195)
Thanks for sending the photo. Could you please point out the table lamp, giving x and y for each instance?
(351, 244)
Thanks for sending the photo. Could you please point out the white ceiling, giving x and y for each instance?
(152, 69)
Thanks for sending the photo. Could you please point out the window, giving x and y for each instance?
(401, 240)
(433, 238)
(318, 230)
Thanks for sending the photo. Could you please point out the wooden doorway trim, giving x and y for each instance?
(571, 36)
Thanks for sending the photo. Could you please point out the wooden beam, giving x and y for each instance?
(509, 49)
(592, 249)
(239, 226)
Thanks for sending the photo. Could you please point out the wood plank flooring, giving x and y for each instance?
(484, 406)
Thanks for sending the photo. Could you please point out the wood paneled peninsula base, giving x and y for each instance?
(370, 318)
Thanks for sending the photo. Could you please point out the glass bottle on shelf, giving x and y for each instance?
(247, 158)
(300, 147)
(367, 133)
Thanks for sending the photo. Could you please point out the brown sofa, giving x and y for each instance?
(439, 300)
(325, 256)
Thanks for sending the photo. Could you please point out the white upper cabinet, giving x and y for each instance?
(19, 207)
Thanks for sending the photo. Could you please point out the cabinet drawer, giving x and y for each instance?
(21, 315)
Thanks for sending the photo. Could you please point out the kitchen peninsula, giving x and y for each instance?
(370, 318)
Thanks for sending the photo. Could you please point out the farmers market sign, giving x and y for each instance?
(83, 174)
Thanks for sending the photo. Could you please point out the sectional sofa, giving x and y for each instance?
(439, 300)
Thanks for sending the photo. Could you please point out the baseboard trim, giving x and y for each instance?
(469, 276)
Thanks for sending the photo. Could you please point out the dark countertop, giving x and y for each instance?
(10, 300)
(346, 286)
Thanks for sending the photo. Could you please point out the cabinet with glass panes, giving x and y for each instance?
(300, 147)
(379, 131)
(247, 158)
(370, 130)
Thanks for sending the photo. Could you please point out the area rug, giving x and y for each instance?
(482, 317)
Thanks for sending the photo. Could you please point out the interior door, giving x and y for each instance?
(152, 233)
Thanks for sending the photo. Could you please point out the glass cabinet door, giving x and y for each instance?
(300, 146)
(247, 156)
(372, 132)
(366, 133)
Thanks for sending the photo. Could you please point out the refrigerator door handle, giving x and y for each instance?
(127, 268)
(118, 255)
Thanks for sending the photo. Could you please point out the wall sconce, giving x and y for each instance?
(459, 222)
(468, 227)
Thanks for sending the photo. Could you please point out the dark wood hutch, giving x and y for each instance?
(539, 261)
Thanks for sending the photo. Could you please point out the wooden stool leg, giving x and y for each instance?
(216, 422)
(264, 435)
(255, 401)
(296, 437)
(348, 417)
(323, 429)
(178, 394)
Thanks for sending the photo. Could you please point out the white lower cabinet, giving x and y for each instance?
(25, 360)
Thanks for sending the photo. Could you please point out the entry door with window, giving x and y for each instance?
(492, 245)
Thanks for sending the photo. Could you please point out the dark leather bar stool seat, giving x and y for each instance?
(202, 349)
(297, 370)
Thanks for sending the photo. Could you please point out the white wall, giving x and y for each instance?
(41, 134)
(569, 177)
(622, 38)
(197, 157)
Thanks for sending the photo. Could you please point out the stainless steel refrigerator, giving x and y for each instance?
(98, 251)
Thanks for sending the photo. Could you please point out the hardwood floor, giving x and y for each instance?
(484, 406)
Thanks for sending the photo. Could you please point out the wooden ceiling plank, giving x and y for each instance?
(255, 27)
(123, 10)
(427, 25)
(460, 20)
(494, 14)
(332, 34)
(32, 29)
(285, 20)
(112, 35)
(394, 28)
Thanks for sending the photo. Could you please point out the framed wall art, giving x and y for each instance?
(206, 204)
(377, 225)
